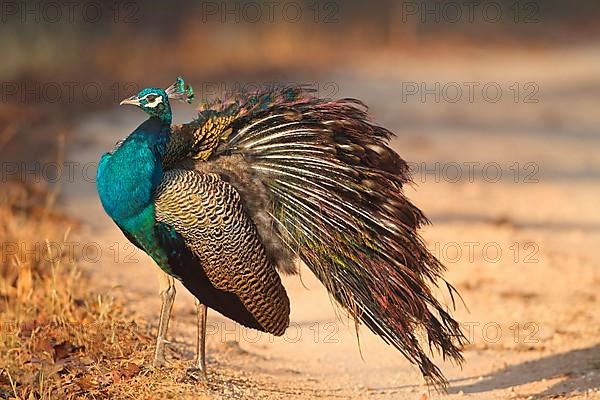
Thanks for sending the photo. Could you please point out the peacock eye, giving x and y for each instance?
(151, 98)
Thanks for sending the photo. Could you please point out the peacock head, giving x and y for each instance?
(155, 101)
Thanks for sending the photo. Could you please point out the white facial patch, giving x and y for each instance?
(154, 103)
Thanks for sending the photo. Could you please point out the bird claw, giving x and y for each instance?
(159, 362)
(196, 374)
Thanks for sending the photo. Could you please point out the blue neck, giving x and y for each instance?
(166, 116)
(128, 177)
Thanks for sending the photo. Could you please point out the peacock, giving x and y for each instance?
(261, 180)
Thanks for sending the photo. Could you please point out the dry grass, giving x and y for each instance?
(63, 338)
(60, 337)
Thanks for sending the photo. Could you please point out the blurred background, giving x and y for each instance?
(494, 103)
(61, 61)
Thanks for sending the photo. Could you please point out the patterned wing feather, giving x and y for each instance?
(208, 213)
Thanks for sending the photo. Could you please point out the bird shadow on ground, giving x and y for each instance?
(580, 369)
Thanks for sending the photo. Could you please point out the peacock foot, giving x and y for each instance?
(159, 355)
(159, 362)
(196, 374)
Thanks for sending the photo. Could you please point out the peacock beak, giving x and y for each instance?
(133, 100)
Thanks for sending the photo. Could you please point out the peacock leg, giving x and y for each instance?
(200, 363)
(167, 294)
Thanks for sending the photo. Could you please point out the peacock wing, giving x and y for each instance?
(229, 270)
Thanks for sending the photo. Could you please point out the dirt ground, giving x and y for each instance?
(520, 247)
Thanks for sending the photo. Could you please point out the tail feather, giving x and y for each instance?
(336, 201)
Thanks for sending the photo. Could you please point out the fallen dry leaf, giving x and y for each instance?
(62, 350)
(43, 345)
(130, 370)
(85, 383)
(27, 328)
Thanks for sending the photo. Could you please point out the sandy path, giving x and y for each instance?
(534, 319)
